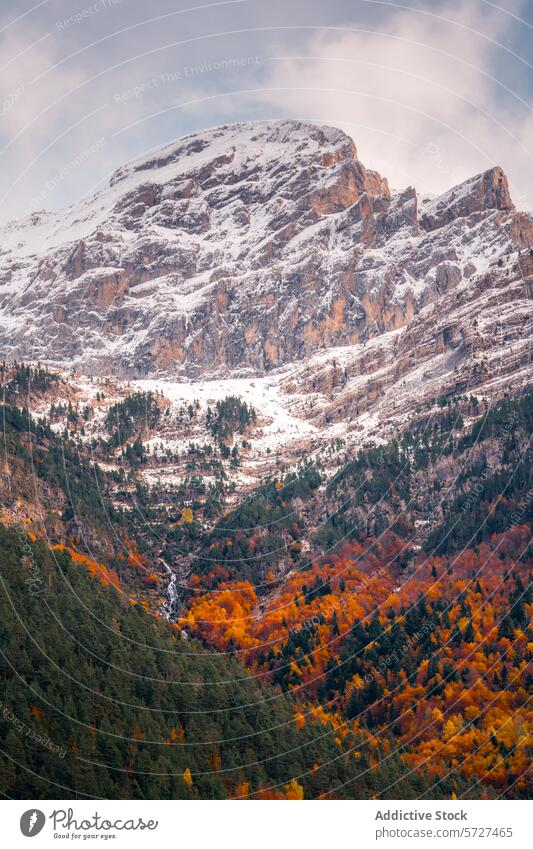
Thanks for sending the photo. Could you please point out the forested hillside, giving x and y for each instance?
(99, 698)
(357, 633)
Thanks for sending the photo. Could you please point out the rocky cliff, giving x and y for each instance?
(247, 247)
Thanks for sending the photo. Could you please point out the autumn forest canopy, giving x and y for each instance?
(364, 633)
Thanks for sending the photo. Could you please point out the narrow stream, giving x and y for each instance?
(168, 609)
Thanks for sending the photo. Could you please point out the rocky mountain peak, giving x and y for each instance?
(313, 168)
(246, 142)
(242, 249)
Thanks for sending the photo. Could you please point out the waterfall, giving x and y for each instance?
(172, 593)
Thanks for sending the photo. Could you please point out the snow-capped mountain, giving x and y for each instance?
(250, 247)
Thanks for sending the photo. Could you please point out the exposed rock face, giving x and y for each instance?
(480, 194)
(248, 247)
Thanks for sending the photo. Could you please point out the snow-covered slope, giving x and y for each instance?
(251, 247)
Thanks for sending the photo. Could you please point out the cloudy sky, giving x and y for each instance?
(432, 92)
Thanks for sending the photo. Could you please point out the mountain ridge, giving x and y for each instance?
(242, 249)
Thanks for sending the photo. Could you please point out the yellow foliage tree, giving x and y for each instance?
(242, 788)
(187, 516)
(293, 790)
(299, 720)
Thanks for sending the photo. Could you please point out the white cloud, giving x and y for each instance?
(416, 93)
(99, 109)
